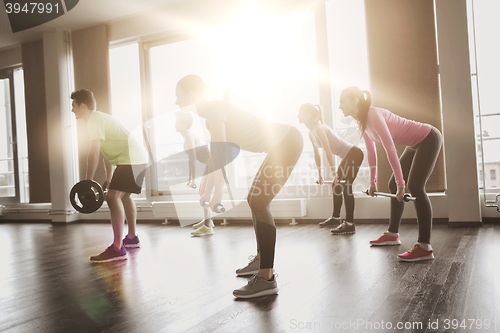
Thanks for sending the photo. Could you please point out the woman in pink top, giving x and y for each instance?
(423, 143)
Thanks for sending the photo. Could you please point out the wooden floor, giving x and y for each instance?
(176, 283)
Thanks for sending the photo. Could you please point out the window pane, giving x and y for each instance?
(169, 63)
(126, 85)
(22, 136)
(268, 70)
(348, 56)
(486, 29)
(7, 176)
(126, 104)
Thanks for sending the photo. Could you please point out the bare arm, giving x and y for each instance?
(189, 146)
(317, 159)
(216, 179)
(326, 147)
(93, 158)
(109, 170)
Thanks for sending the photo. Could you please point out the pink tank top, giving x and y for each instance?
(385, 127)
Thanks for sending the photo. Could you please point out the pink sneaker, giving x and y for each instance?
(386, 239)
(416, 253)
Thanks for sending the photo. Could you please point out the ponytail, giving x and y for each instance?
(319, 113)
(364, 103)
(316, 111)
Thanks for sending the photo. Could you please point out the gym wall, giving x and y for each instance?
(404, 71)
(36, 121)
(91, 71)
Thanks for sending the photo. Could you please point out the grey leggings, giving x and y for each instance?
(271, 177)
(417, 164)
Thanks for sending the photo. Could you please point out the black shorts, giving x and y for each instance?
(128, 178)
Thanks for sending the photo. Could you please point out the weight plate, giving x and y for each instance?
(86, 196)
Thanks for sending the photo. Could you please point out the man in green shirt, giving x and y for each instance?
(126, 161)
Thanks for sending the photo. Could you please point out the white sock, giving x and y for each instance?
(348, 223)
(392, 233)
(425, 246)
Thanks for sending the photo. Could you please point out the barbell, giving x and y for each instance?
(218, 208)
(330, 182)
(87, 196)
(406, 197)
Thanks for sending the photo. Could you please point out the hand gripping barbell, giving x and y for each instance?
(87, 196)
(406, 197)
(218, 208)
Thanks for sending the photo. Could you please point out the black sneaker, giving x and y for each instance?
(330, 222)
(344, 228)
(131, 242)
(110, 254)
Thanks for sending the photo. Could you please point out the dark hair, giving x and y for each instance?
(84, 96)
(365, 102)
(185, 118)
(316, 110)
(194, 83)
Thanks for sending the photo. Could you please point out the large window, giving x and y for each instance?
(268, 69)
(266, 64)
(126, 102)
(14, 184)
(348, 57)
(484, 29)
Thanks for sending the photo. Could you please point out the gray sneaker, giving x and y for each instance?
(250, 269)
(257, 286)
(344, 229)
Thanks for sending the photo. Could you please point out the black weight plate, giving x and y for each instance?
(86, 196)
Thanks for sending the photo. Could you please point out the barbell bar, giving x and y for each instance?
(406, 197)
(330, 182)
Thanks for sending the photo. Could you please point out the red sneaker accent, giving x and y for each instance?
(416, 253)
(386, 239)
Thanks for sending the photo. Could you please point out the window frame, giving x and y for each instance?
(8, 73)
(146, 43)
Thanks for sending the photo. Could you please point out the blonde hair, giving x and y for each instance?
(316, 110)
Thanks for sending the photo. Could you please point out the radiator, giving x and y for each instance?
(280, 208)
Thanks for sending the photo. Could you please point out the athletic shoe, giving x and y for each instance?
(416, 253)
(110, 254)
(386, 239)
(344, 229)
(131, 242)
(250, 269)
(202, 222)
(330, 222)
(203, 231)
(257, 286)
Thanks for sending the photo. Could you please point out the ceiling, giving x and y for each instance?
(85, 14)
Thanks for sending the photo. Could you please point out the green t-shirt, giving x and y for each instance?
(117, 145)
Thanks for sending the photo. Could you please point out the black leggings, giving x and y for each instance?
(271, 177)
(347, 170)
(417, 164)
